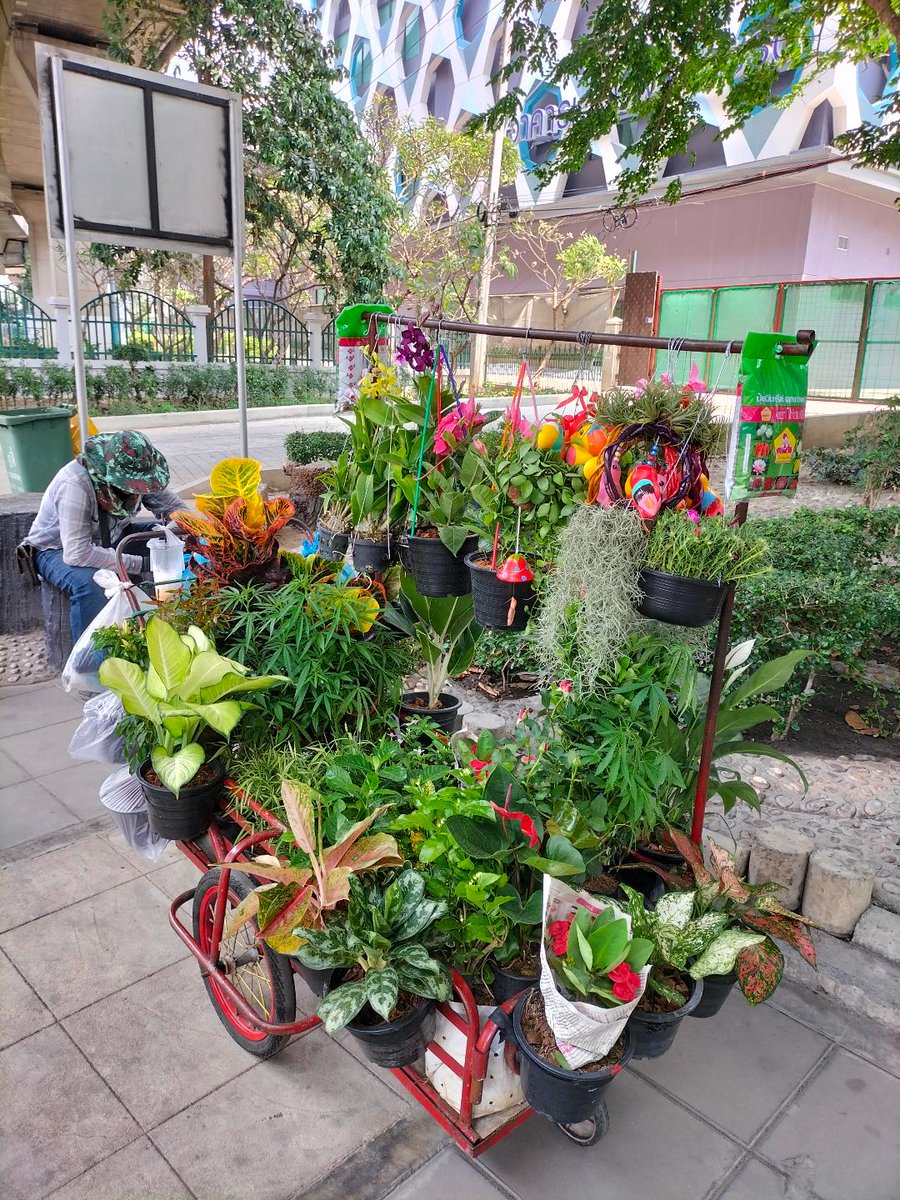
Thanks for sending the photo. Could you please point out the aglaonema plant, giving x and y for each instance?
(300, 893)
(444, 630)
(382, 934)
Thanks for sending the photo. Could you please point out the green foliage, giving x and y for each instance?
(126, 641)
(303, 446)
(641, 72)
(444, 631)
(690, 416)
(502, 656)
(595, 946)
(384, 934)
(870, 458)
(710, 549)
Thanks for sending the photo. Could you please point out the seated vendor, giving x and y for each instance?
(88, 508)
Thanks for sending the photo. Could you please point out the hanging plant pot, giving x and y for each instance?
(498, 604)
(654, 1032)
(566, 1097)
(678, 600)
(397, 1043)
(186, 816)
(435, 570)
(370, 557)
(508, 983)
(332, 545)
(716, 990)
(446, 717)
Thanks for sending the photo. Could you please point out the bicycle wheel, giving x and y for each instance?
(264, 978)
(628, 216)
(610, 220)
(588, 1133)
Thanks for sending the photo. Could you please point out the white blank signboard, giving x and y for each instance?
(149, 157)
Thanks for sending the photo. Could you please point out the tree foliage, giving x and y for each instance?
(308, 176)
(653, 60)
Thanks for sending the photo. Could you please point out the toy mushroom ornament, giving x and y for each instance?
(515, 570)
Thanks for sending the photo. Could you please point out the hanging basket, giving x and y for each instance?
(435, 570)
(678, 600)
(370, 557)
(332, 545)
(498, 604)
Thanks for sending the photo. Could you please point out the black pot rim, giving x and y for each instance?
(427, 712)
(710, 585)
(389, 1028)
(514, 974)
(575, 1078)
(187, 791)
(407, 538)
(670, 1018)
(361, 541)
(335, 533)
(473, 566)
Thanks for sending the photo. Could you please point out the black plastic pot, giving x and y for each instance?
(397, 1043)
(566, 1097)
(332, 545)
(678, 600)
(317, 981)
(492, 598)
(370, 557)
(435, 570)
(186, 816)
(654, 1033)
(507, 984)
(669, 860)
(643, 880)
(716, 990)
(446, 717)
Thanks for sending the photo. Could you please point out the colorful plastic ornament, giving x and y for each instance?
(710, 503)
(551, 435)
(643, 487)
(515, 570)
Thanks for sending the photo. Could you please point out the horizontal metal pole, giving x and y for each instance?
(803, 346)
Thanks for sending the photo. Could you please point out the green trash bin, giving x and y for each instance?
(35, 442)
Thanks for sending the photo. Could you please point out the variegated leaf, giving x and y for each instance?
(335, 856)
(369, 853)
(675, 908)
(759, 969)
(342, 1005)
(788, 929)
(698, 935)
(692, 854)
(382, 987)
(268, 867)
(719, 956)
(300, 805)
(244, 912)
(336, 887)
(236, 477)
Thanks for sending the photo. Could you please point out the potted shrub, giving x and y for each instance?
(444, 633)
(389, 980)
(334, 523)
(597, 965)
(691, 561)
(181, 697)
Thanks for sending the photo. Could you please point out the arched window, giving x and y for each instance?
(360, 70)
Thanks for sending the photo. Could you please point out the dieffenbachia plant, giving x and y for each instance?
(298, 896)
(381, 934)
(181, 693)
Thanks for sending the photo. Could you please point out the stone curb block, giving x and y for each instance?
(780, 855)
(838, 890)
(879, 931)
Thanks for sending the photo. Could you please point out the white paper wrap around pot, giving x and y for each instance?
(584, 1032)
(501, 1088)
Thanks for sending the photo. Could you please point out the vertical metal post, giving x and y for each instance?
(863, 340)
(68, 221)
(235, 126)
(715, 696)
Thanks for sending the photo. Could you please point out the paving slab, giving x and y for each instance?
(28, 811)
(175, 878)
(61, 877)
(279, 1127)
(756, 1181)
(159, 1044)
(447, 1177)
(57, 1117)
(10, 771)
(143, 865)
(36, 708)
(653, 1149)
(21, 1012)
(91, 949)
(768, 1052)
(138, 1172)
(78, 787)
(846, 1121)
(42, 751)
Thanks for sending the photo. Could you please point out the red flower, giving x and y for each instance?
(565, 686)
(478, 765)
(625, 982)
(523, 713)
(621, 973)
(559, 934)
(526, 823)
(624, 991)
(528, 758)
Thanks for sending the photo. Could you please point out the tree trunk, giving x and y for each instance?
(209, 282)
(888, 15)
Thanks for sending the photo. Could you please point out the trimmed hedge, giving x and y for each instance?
(313, 446)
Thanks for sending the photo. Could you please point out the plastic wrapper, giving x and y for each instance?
(123, 795)
(80, 671)
(95, 739)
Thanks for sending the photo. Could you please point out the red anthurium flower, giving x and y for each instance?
(479, 764)
(525, 822)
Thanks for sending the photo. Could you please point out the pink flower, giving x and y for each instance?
(524, 821)
(565, 686)
(665, 377)
(456, 425)
(528, 758)
(478, 765)
(693, 515)
(695, 383)
(523, 713)
(641, 386)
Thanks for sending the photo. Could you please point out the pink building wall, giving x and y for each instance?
(872, 230)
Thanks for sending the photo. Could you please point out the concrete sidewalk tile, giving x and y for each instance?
(61, 877)
(78, 787)
(738, 1067)
(57, 1117)
(142, 865)
(653, 1148)
(42, 751)
(447, 1177)
(159, 1044)
(82, 953)
(846, 1121)
(175, 878)
(27, 811)
(755, 1181)
(275, 1130)
(21, 1012)
(36, 709)
(138, 1172)
(10, 771)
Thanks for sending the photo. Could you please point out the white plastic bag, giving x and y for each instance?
(166, 564)
(95, 739)
(501, 1088)
(584, 1032)
(80, 671)
(123, 795)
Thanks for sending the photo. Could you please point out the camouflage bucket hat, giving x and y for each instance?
(126, 461)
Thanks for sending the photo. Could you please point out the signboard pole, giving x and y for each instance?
(71, 260)
(237, 210)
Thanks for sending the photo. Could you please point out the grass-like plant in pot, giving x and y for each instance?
(445, 634)
(691, 560)
(334, 523)
(183, 698)
(390, 980)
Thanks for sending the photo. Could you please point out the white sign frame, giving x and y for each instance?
(130, 169)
